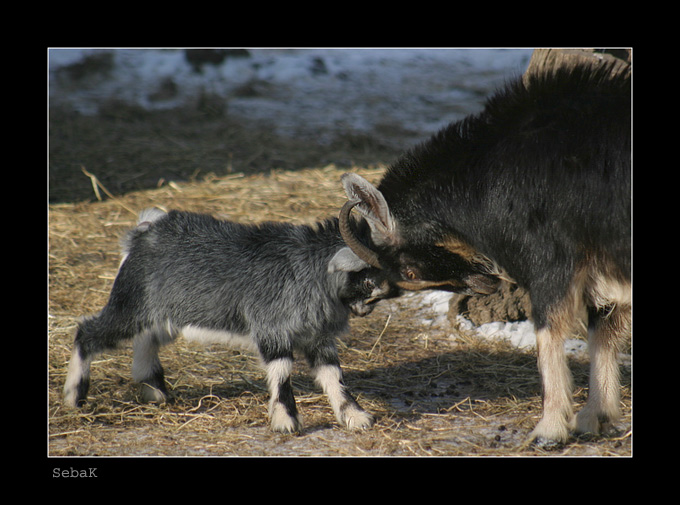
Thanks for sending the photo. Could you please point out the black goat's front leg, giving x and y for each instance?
(607, 332)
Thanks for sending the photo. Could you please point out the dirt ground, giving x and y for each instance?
(436, 391)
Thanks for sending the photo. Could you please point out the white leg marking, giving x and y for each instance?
(145, 356)
(347, 411)
(146, 366)
(280, 421)
(278, 372)
(78, 371)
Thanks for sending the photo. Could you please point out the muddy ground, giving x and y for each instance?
(436, 391)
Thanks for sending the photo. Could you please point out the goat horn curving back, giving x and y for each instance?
(352, 241)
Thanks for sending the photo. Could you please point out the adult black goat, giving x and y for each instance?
(535, 189)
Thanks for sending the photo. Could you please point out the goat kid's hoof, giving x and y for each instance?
(72, 402)
(150, 394)
(290, 428)
(358, 420)
(282, 422)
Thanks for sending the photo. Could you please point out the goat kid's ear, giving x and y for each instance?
(372, 206)
(346, 261)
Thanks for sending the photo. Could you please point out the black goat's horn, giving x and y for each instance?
(352, 241)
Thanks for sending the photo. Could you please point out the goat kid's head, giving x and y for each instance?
(447, 265)
(365, 285)
(366, 288)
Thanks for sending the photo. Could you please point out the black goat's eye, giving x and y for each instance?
(369, 284)
(410, 274)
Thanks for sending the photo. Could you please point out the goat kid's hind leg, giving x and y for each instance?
(146, 366)
(93, 336)
(283, 414)
(78, 377)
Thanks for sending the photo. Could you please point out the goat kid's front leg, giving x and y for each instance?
(283, 414)
(347, 410)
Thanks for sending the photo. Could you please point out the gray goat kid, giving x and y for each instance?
(271, 288)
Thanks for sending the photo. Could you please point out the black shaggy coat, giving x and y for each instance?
(535, 189)
(537, 181)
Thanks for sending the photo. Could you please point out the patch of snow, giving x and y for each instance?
(520, 334)
(433, 308)
(312, 92)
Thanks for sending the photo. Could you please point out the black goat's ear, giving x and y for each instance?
(372, 206)
(483, 284)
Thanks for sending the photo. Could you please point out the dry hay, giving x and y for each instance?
(435, 391)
